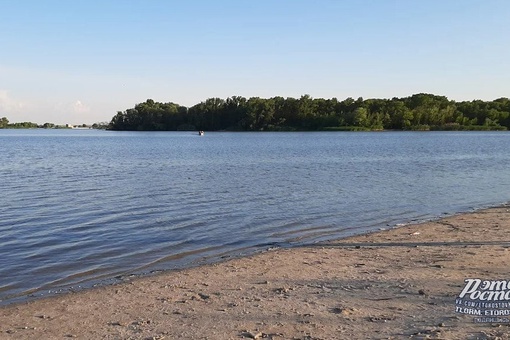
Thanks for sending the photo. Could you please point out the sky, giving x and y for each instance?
(81, 61)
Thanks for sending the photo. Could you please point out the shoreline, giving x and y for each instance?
(37, 293)
(395, 283)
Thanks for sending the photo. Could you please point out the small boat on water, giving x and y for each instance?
(200, 133)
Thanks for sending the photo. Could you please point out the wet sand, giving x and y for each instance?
(393, 284)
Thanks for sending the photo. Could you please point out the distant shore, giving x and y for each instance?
(398, 283)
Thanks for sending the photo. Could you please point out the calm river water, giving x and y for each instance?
(80, 207)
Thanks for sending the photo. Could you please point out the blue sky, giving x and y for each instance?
(82, 61)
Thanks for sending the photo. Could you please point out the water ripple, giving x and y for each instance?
(82, 207)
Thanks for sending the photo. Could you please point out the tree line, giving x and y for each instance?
(417, 112)
(4, 124)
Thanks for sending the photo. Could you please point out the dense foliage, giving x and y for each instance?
(417, 112)
(4, 124)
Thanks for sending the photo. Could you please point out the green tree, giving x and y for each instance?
(233, 112)
(419, 111)
(361, 117)
(4, 122)
(306, 111)
(259, 114)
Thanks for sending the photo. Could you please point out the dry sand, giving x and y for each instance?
(399, 283)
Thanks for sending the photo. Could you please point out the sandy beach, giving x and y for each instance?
(393, 284)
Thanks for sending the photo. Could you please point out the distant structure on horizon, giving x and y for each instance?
(82, 127)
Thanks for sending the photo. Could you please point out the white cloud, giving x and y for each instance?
(8, 104)
(74, 108)
(79, 107)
